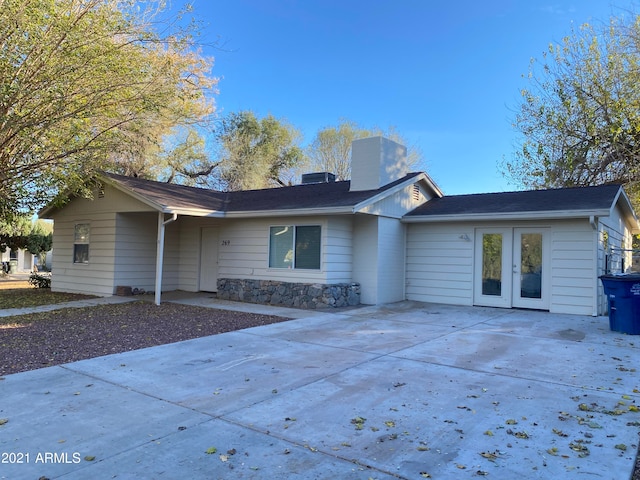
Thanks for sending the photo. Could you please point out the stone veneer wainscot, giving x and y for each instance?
(299, 295)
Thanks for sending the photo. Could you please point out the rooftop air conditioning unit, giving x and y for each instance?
(318, 177)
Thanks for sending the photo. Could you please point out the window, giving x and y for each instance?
(81, 243)
(295, 247)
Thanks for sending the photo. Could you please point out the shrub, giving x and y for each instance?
(39, 280)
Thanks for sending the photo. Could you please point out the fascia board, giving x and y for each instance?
(291, 212)
(627, 209)
(432, 184)
(476, 217)
(194, 212)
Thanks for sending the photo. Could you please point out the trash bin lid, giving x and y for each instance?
(622, 277)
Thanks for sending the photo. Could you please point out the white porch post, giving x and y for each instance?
(160, 253)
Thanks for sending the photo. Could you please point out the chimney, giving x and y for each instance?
(375, 162)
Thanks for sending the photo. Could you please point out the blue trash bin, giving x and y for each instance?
(623, 293)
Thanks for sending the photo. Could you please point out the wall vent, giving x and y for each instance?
(416, 192)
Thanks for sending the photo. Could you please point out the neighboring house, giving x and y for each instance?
(385, 236)
(24, 260)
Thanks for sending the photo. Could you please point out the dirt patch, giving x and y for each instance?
(28, 342)
(33, 297)
(13, 284)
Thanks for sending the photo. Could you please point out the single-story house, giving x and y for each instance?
(387, 235)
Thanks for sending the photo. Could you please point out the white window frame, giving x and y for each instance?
(293, 249)
(82, 241)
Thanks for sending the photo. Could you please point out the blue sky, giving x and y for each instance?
(446, 74)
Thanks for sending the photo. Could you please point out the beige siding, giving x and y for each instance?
(391, 260)
(111, 201)
(189, 251)
(378, 258)
(136, 245)
(135, 250)
(246, 250)
(440, 263)
(338, 250)
(573, 268)
(243, 250)
(365, 257)
(171, 267)
(95, 277)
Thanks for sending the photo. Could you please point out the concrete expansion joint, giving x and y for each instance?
(307, 446)
(134, 390)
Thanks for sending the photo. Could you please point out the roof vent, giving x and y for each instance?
(318, 177)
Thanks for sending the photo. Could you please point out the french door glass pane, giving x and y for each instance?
(492, 264)
(531, 265)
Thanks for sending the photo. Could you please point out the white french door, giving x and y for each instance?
(492, 277)
(512, 267)
(531, 266)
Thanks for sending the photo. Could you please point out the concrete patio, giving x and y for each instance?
(406, 390)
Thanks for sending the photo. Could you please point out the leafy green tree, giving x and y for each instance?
(580, 119)
(256, 152)
(330, 150)
(181, 158)
(23, 233)
(40, 238)
(87, 85)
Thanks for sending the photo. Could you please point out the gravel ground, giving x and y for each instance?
(28, 342)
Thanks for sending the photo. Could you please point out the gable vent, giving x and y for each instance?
(318, 177)
(416, 192)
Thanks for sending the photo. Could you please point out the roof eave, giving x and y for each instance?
(138, 196)
(540, 215)
(45, 212)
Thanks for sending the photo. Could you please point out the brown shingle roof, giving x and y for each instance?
(553, 200)
(297, 197)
